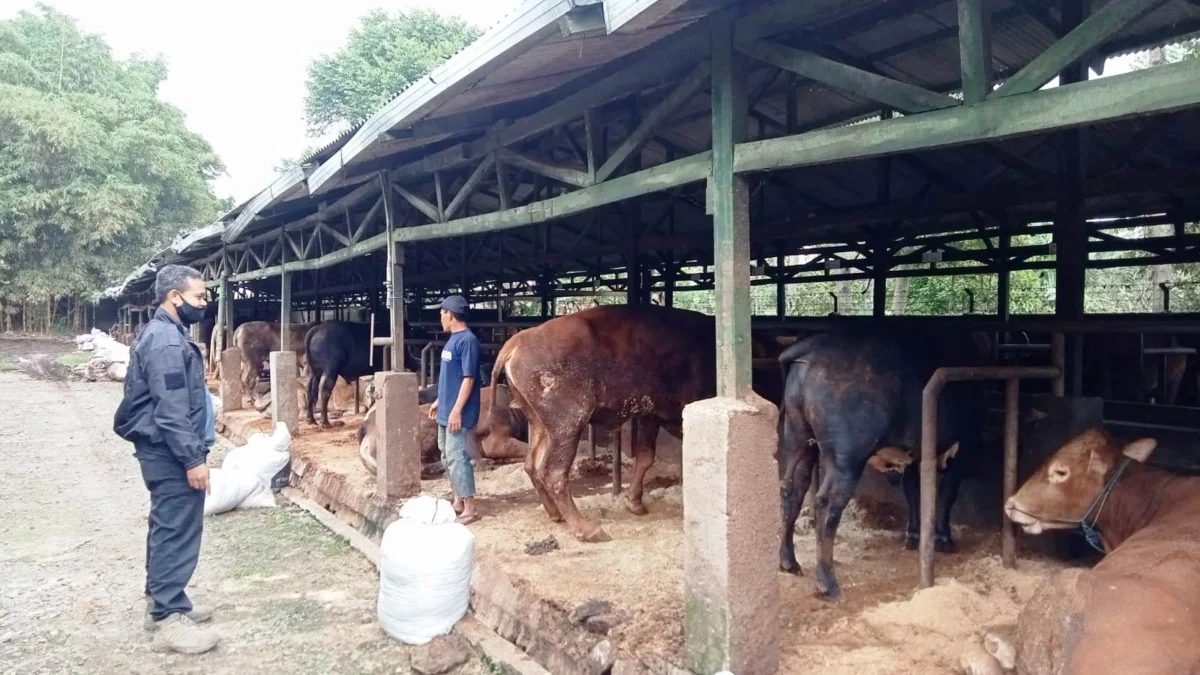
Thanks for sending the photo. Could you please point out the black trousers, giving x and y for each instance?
(173, 538)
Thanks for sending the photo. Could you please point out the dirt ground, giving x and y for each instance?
(290, 597)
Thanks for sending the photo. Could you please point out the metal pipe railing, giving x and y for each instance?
(929, 415)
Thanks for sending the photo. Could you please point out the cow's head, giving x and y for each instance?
(1060, 492)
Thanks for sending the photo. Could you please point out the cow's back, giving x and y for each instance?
(618, 361)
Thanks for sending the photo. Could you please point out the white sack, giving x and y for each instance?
(217, 407)
(262, 498)
(117, 371)
(262, 455)
(228, 488)
(424, 572)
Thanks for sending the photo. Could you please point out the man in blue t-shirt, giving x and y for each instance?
(457, 405)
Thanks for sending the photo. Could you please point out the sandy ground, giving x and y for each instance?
(291, 598)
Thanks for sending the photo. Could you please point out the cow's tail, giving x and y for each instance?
(500, 418)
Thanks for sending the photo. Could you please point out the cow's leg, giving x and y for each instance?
(327, 385)
(948, 485)
(555, 473)
(796, 456)
(912, 496)
(644, 445)
(837, 488)
(314, 384)
(538, 442)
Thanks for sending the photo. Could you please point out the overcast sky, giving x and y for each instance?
(237, 67)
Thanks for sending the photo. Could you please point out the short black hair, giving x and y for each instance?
(458, 316)
(173, 278)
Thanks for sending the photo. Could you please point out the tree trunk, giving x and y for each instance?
(900, 296)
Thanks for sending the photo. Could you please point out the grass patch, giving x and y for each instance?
(74, 359)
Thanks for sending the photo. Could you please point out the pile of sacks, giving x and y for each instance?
(109, 360)
(244, 479)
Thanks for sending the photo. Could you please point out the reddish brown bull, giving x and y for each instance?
(603, 366)
(1138, 610)
(257, 339)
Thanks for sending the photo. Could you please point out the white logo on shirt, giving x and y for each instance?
(447, 355)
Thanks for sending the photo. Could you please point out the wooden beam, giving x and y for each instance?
(562, 174)
(502, 182)
(419, 203)
(902, 96)
(470, 186)
(731, 214)
(682, 92)
(1075, 45)
(782, 17)
(975, 50)
(1154, 91)
(662, 177)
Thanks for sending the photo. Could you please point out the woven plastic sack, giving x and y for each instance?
(262, 455)
(425, 563)
(228, 488)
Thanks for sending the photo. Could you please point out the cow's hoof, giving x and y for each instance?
(944, 545)
(636, 508)
(791, 568)
(912, 542)
(326, 425)
(596, 536)
(828, 585)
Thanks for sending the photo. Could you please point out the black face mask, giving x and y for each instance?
(189, 314)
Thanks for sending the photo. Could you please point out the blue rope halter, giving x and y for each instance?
(1089, 529)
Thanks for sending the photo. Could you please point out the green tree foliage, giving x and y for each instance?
(96, 173)
(383, 55)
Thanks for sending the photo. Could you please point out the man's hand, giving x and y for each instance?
(197, 477)
(433, 411)
(454, 423)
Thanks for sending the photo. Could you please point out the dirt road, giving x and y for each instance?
(290, 597)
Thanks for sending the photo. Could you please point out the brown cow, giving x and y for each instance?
(257, 339)
(1137, 610)
(509, 444)
(603, 365)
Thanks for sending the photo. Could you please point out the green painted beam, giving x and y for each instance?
(731, 222)
(1146, 92)
(975, 49)
(1075, 45)
(562, 174)
(682, 92)
(902, 96)
(470, 186)
(784, 16)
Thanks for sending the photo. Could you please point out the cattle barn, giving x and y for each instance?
(1023, 170)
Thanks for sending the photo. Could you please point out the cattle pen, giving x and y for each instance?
(788, 167)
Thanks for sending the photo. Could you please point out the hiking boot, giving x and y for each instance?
(199, 614)
(177, 633)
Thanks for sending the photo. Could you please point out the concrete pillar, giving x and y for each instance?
(231, 379)
(283, 390)
(398, 458)
(731, 536)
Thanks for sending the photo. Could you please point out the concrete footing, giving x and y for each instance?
(283, 390)
(231, 379)
(398, 459)
(731, 536)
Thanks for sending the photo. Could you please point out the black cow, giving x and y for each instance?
(336, 349)
(849, 395)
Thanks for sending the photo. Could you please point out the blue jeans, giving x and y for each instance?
(457, 460)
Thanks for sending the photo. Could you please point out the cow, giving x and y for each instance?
(853, 399)
(510, 441)
(603, 366)
(257, 339)
(335, 349)
(1138, 609)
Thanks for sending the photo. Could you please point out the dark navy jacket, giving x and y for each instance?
(166, 405)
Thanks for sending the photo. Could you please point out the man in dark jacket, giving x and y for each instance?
(165, 414)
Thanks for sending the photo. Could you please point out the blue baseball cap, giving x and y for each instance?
(456, 304)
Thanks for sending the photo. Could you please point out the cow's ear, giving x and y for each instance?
(1140, 449)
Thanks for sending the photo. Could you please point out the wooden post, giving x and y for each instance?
(285, 311)
(395, 278)
(975, 50)
(731, 218)
(1070, 237)
(780, 280)
(1004, 280)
